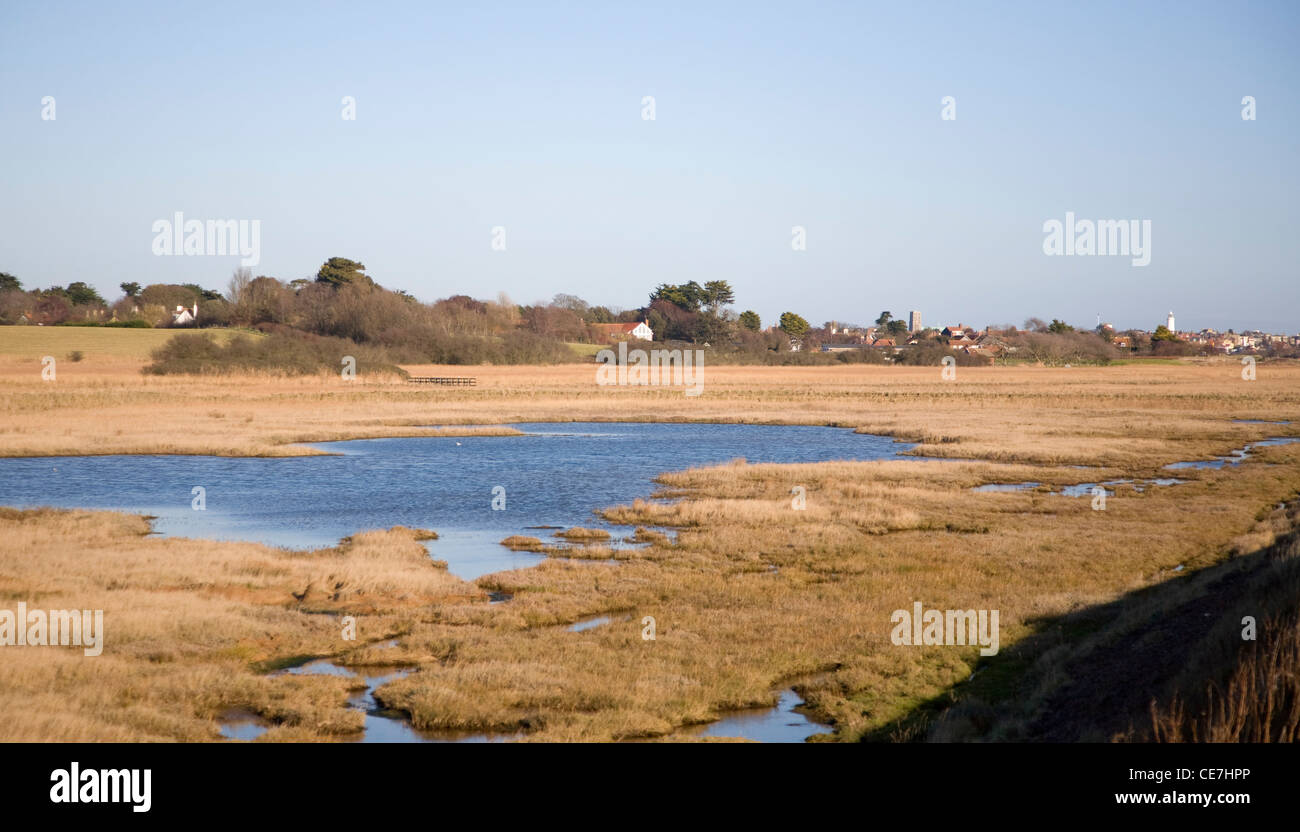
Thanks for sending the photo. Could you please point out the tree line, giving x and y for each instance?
(343, 301)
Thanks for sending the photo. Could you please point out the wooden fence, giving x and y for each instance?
(458, 380)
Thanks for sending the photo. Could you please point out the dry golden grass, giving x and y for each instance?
(1088, 416)
(188, 623)
(750, 593)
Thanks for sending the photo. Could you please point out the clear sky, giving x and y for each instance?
(767, 116)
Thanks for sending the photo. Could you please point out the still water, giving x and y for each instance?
(555, 475)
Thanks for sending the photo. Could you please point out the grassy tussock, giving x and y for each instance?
(579, 534)
(523, 543)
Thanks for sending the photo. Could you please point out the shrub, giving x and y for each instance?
(1065, 348)
(523, 347)
(284, 352)
(865, 355)
(932, 353)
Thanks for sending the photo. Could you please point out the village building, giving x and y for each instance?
(960, 336)
(184, 317)
(639, 331)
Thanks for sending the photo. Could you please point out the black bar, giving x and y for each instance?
(332, 782)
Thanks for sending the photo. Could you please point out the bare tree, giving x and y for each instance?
(238, 288)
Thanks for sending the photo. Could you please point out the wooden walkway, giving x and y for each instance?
(459, 380)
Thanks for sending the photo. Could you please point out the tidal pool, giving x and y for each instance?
(780, 724)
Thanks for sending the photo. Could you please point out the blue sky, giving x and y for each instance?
(768, 116)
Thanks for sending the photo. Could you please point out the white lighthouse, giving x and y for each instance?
(1169, 322)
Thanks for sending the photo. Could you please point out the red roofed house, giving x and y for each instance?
(957, 335)
(640, 330)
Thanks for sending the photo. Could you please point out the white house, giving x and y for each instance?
(184, 316)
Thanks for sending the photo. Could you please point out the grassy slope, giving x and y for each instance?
(1166, 661)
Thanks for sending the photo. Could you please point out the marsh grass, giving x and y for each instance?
(189, 625)
(748, 592)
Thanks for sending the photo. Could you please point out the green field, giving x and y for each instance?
(583, 350)
(37, 341)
